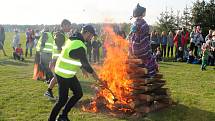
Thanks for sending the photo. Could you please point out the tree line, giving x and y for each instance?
(201, 13)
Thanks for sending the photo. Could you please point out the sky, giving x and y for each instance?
(82, 11)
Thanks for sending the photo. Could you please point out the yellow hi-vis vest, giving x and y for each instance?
(66, 66)
(55, 51)
(48, 45)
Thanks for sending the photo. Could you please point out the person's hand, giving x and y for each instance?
(85, 74)
(103, 84)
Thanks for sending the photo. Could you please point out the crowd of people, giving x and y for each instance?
(18, 53)
(93, 50)
(189, 47)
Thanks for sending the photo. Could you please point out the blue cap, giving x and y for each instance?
(89, 28)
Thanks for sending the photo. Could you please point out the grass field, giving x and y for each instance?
(21, 98)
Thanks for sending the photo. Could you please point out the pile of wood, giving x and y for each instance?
(148, 94)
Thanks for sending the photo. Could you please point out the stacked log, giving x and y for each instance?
(148, 93)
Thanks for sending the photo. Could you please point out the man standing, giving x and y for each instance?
(96, 44)
(89, 50)
(2, 39)
(45, 44)
(213, 49)
(72, 57)
(29, 42)
(60, 39)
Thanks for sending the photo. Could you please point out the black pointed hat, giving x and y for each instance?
(138, 11)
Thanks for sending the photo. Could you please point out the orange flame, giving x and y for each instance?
(114, 69)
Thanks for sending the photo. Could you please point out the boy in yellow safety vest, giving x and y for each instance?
(46, 44)
(60, 38)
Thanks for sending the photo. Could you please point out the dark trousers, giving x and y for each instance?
(29, 45)
(170, 51)
(96, 56)
(44, 62)
(64, 84)
(179, 54)
(154, 47)
(193, 47)
(204, 64)
(18, 57)
(26, 52)
(211, 60)
(163, 51)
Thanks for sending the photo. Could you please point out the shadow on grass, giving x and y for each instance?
(181, 113)
(1, 118)
(169, 64)
(174, 113)
(163, 66)
(29, 61)
(12, 62)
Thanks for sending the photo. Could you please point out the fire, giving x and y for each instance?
(114, 73)
(127, 87)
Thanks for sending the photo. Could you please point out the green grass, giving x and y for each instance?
(21, 98)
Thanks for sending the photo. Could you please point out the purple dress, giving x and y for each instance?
(140, 45)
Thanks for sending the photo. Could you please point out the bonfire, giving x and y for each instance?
(126, 87)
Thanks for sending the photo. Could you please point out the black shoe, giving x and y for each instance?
(63, 118)
(49, 94)
(47, 82)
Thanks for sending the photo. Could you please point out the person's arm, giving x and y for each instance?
(16, 50)
(202, 39)
(81, 54)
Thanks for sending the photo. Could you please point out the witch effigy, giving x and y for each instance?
(148, 92)
(140, 45)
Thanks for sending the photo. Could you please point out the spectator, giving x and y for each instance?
(37, 37)
(120, 32)
(190, 58)
(170, 44)
(184, 40)
(158, 54)
(199, 36)
(209, 36)
(33, 37)
(89, 50)
(29, 42)
(96, 45)
(18, 54)
(158, 41)
(196, 39)
(164, 43)
(180, 54)
(205, 54)
(16, 40)
(153, 39)
(213, 48)
(2, 39)
(178, 44)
